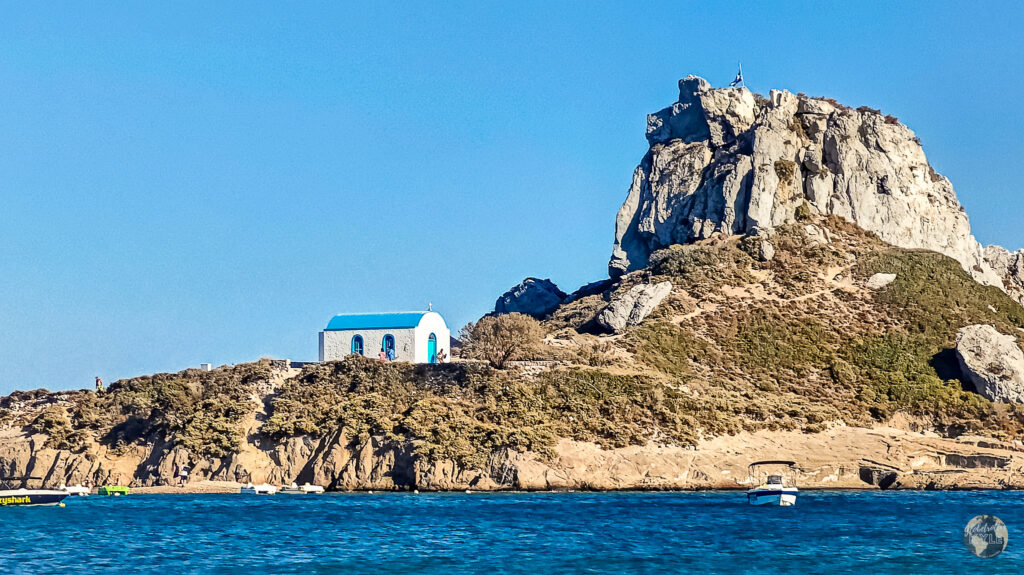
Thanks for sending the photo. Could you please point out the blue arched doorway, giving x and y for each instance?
(357, 344)
(432, 349)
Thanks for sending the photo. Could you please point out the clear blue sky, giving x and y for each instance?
(210, 182)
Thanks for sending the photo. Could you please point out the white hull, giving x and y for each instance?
(258, 490)
(780, 496)
(306, 489)
(290, 491)
(36, 497)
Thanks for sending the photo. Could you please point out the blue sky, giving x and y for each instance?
(210, 182)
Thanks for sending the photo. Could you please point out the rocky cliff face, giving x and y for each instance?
(841, 457)
(1010, 267)
(729, 161)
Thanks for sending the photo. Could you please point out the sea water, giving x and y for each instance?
(530, 533)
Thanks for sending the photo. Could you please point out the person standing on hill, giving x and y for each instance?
(99, 385)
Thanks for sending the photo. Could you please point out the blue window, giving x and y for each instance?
(357, 344)
(388, 346)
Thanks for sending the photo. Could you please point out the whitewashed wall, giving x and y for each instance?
(338, 344)
(433, 323)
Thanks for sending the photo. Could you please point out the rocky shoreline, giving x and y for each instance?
(839, 458)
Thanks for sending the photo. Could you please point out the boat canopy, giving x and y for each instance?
(7, 481)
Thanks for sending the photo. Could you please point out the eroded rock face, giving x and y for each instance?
(722, 160)
(993, 362)
(878, 476)
(532, 296)
(1009, 266)
(632, 308)
(843, 457)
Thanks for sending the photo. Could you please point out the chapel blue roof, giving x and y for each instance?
(394, 320)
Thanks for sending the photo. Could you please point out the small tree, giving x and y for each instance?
(501, 339)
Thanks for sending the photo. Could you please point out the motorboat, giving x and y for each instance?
(306, 489)
(10, 497)
(773, 488)
(262, 489)
(75, 490)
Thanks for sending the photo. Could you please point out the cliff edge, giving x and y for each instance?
(725, 160)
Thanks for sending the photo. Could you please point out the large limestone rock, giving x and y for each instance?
(1009, 266)
(725, 160)
(993, 362)
(532, 296)
(632, 308)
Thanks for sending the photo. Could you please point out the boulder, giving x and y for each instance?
(992, 362)
(632, 308)
(532, 296)
(879, 281)
(723, 161)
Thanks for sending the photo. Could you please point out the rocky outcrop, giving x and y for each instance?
(592, 288)
(728, 161)
(632, 308)
(880, 477)
(1009, 266)
(532, 296)
(993, 362)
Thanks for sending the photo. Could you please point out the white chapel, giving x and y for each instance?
(414, 336)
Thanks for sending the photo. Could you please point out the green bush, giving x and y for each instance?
(53, 421)
(786, 171)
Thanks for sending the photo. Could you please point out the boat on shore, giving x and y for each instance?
(113, 490)
(10, 497)
(262, 489)
(772, 487)
(307, 489)
(75, 490)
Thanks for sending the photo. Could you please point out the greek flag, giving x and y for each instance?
(738, 80)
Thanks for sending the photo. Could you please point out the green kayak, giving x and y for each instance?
(112, 490)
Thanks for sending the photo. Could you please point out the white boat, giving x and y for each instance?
(23, 497)
(75, 490)
(306, 489)
(263, 489)
(772, 488)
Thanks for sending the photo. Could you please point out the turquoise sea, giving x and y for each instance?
(529, 533)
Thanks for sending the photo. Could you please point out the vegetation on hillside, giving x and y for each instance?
(199, 411)
(793, 329)
(797, 342)
(466, 411)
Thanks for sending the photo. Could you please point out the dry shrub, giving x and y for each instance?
(501, 339)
